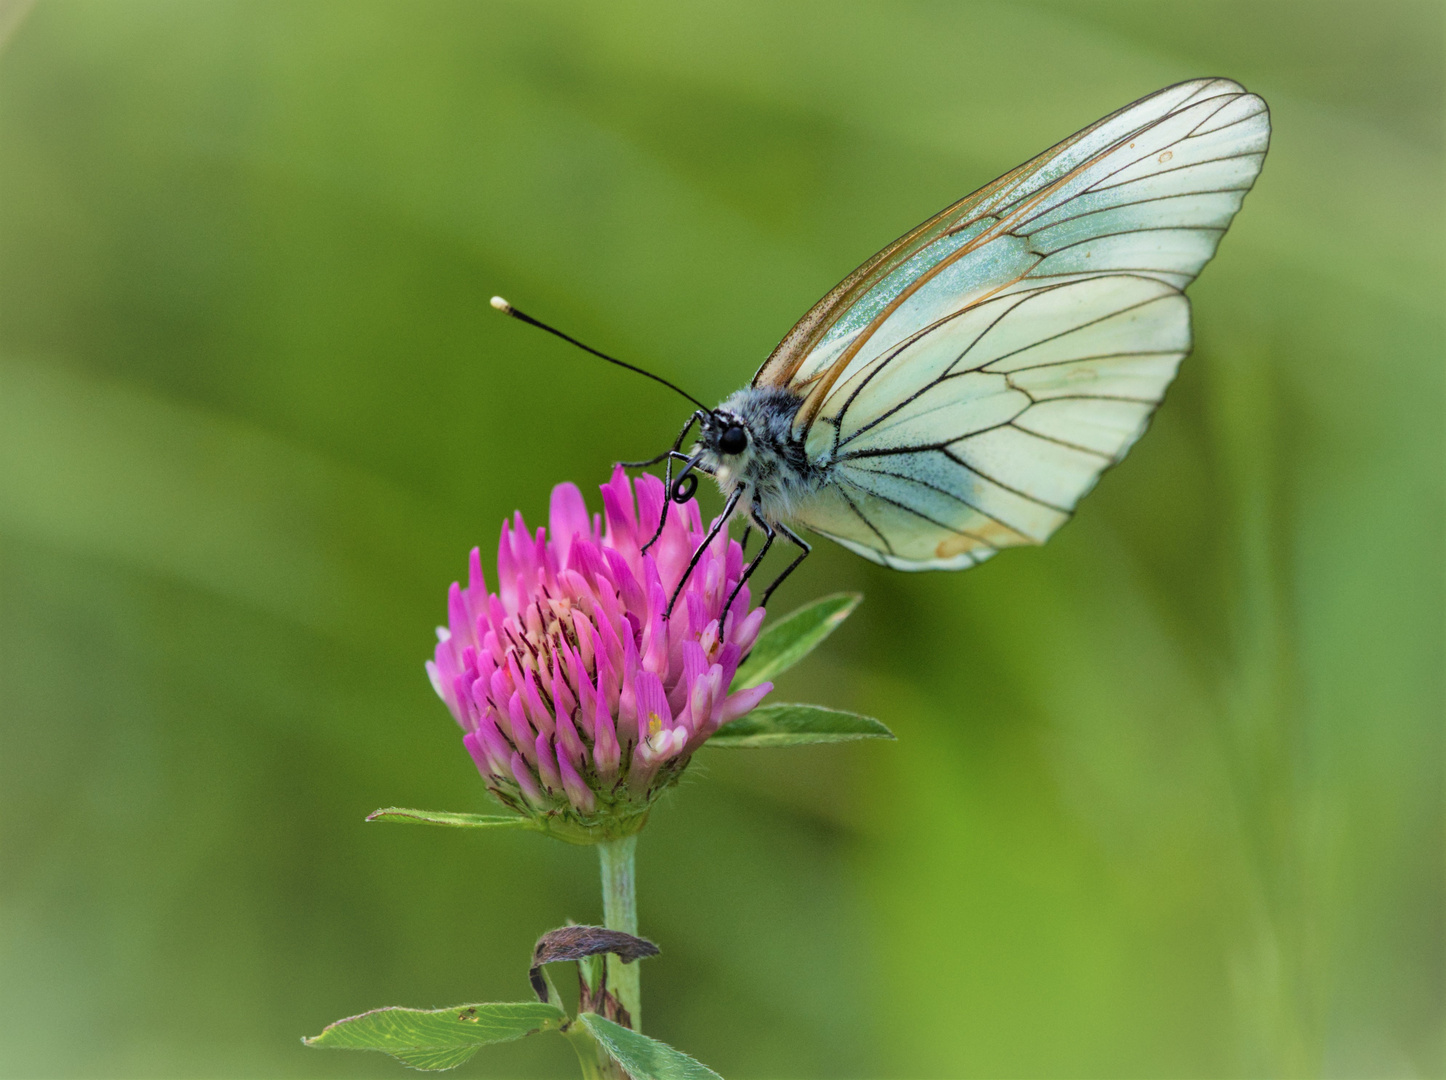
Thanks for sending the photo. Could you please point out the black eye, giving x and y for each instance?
(734, 440)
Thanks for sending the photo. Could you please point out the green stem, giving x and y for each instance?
(620, 912)
(594, 1060)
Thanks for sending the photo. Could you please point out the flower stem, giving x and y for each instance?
(595, 1061)
(620, 912)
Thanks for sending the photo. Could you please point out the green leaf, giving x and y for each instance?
(793, 637)
(449, 819)
(436, 1060)
(797, 725)
(644, 1058)
(438, 1038)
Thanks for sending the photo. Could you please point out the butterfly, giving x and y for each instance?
(963, 389)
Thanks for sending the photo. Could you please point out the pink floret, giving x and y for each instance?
(576, 692)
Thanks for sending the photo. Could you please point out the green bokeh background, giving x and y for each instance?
(1166, 799)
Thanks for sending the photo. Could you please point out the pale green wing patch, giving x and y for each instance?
(1147, 192)
(1008, 433)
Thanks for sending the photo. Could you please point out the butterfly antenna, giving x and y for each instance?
(507, 309)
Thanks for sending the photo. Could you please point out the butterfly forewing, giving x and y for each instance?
(968, 385)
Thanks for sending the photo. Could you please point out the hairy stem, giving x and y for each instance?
(595, 1062)
(620, 912)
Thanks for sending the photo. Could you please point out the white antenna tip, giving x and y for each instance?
(501, 304)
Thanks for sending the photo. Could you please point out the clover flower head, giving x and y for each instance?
(580, 699)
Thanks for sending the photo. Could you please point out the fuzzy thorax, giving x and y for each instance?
(773, 465)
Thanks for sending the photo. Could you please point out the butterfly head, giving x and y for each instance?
(748, 440)
(726, 443)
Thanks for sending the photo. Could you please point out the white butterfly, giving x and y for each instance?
(962, 390)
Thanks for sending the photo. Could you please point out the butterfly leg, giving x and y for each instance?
(668, 474)
(768, 537)
(806, 550)
(718, 526)
(644, 464)
(705, 469)
(681, 490)
(676, 455)
(747, 532)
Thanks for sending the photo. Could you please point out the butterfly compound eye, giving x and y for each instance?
(733, 441)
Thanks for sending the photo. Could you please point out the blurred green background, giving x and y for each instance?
(1167, 797)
